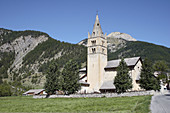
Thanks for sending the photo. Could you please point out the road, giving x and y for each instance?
(160, 103)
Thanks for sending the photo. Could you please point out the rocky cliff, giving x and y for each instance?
(119, 35)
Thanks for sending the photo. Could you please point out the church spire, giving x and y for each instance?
(97, 30)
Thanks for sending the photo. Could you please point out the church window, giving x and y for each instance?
(93, 33)
(97, 24)
(102, 50)
(93, 42)
(93, 50)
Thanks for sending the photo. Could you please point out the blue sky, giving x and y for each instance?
(70, 20)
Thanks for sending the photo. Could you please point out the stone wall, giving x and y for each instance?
(108, 95)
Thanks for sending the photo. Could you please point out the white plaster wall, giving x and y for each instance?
(96, 64)
(134, 74)
(109, 75)
(84, 89)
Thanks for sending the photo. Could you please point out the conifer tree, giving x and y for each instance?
(147, 79)
(161, 67)
(70, 78)
(52, 76)
(122, 81)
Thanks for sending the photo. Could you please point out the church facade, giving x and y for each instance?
(100, 73)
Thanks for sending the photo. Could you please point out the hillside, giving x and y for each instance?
(25, 55)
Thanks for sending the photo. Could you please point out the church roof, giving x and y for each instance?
(129, 61)
(108, 85)
(97, 30)
(83, 82)
(82, 70)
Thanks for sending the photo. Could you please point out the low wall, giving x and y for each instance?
(129, 94)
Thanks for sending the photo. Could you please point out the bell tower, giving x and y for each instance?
(97, 57)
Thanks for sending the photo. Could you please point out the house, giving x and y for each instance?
(100, 73)
(35, 92)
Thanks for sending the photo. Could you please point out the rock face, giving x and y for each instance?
(21, 46)
(124, 36)
(115, 44)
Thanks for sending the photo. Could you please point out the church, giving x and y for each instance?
(100, 73)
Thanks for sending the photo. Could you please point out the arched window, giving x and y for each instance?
(93, 50)
(93, 42)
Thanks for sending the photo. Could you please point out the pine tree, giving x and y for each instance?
(122, 81)
(161, 67)
(52, 76)
(147, 79)
(70, 78)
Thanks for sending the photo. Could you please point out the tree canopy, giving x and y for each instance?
(161, 67)
(147, 79)
(51, 78)
(70, 77)
(122, 81)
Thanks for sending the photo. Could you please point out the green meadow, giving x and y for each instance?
(136, 104)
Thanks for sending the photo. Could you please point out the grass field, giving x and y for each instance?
(138, 104)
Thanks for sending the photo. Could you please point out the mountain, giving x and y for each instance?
(119, 35)
(25, 55)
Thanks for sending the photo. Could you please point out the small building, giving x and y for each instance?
(35, 92)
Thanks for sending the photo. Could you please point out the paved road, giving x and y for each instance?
(160, 103)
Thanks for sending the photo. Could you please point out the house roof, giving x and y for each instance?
(108, 85)
(35, 91)
(82, 70)
(129, 61)
(82, 82)
(83, 76)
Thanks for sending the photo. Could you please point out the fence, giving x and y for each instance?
(128, 94)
